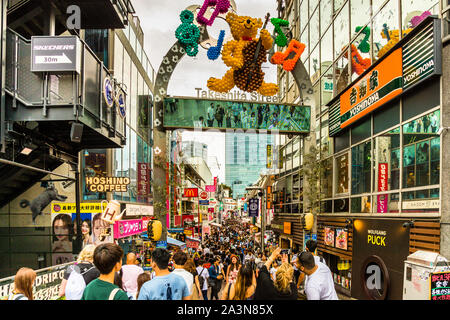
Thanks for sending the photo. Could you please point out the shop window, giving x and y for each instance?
(326, 182)
(295, 208)
(314, 64)
(97, 40)
(327, 86)
(304, 16)
(421, 201)
(295, 187)
(388, 117)
(341, 141)
(360, 15)
(385, 25)
(421, 151)
(361, 131)
(342, 174)
(93, 165)
(361, 167)
(341, 30)
(341, 205)
(338, 4)
(326, 11)
(326, 206)
(361, 204)
(413, 8)
(385, 203)
(419, 101)
(304, 38)
(314, 28)
(387, 161)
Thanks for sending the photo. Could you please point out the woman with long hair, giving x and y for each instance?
(233, 269)
(141, 279)
(23, 284)
(197, 291)
(244, 287)
(283, 288)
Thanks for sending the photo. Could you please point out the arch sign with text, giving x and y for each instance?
(243, 49)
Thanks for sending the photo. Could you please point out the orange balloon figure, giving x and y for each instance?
(359, 64)
(280, 57)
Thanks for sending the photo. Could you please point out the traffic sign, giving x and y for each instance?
(204, 195)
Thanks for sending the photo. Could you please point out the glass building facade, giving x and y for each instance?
(386, 164)
(245, 159)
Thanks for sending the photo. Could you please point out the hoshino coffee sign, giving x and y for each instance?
(414, 59)
(107, 184)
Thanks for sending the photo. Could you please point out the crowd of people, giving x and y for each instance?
(229, 265)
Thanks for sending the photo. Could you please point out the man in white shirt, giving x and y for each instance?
(319, 283)
(130, 273)
(179, 259)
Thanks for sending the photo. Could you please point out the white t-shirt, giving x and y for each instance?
(187, 276)
(273, 272)
(129, 277)
(320, 285)
(205, 275)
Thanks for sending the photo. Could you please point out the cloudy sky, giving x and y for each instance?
(160, 19)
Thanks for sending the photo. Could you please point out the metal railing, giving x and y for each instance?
(71, 89)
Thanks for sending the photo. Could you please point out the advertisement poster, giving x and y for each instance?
(62, 237)
(86, 227)
(439, 286)
(196, 113)
(329, 236)
(101, 230)
(46, 286)
(341, 239)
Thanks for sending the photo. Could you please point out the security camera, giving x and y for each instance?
(441, 129)
(408, 224)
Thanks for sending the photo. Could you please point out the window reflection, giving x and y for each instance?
(94, 165)
(326, 8)
(341, 31)
(342, 174)
(386, 29)
(421, 151)
(413, 12)
(387, 161)
(361, 166)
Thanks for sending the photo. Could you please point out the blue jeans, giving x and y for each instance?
(205, 294)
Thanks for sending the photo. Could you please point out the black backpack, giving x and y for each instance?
(201, 280)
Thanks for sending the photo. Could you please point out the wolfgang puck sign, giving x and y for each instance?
(380, 247)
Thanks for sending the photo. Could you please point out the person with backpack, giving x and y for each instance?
(165, 285)
(79, 275)
(23, 285)
(203, 275)
(108, 260)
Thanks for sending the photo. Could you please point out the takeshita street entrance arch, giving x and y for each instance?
(165, 71)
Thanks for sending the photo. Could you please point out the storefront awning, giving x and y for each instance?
(175, 242)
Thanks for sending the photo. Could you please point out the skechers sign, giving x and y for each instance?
(55, 54)
(414, 59)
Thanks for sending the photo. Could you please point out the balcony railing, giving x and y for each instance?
(82, 92)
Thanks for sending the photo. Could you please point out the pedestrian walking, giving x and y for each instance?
(233, 269)
(197, 291)
(319, 284)
(165, 285)
(141, 279)
(244, 287)
(23, 284)
(85, 272)
(108, 260)
(180, 259)
(130, 273)
(203, 275)
(214, 278)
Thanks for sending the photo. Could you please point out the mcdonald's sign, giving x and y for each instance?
(190, 193)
